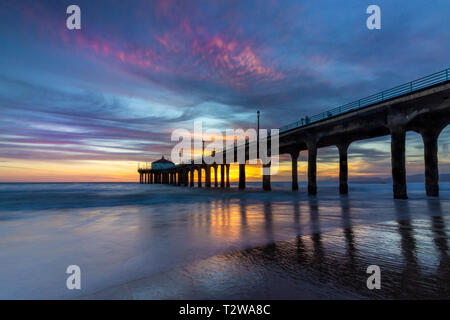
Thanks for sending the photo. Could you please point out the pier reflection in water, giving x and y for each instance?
(327, 259)
(167, 242)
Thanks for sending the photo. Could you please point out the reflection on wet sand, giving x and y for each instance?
(412, 252)
(440, 239)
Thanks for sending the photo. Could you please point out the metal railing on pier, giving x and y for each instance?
(424, 82)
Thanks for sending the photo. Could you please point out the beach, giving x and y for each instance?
(136, 241)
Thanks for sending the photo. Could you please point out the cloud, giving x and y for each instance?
(116, 89)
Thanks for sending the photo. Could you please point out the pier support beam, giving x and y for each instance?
(294, 159)
(140, 178)
(185, 178)
(228, 176)
(222, 176)
(151, 177)
(430, 142)
(312, 167)
(208, 176)
(343, 167)
(199, 182)
(241, 176)
(266, 177)
(398, 135)
(215, 177)
(192, 177)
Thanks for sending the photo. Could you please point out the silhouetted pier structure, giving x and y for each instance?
(422, 106)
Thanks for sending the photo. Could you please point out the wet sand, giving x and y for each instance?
(163, 242)
(413, 256)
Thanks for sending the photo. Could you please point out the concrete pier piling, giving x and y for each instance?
(312, 167)
(398, 136)
(430, 142)
(294, 159)
(222, 176)
(228, 176)
(208, 176)
(216, 184)
(266, 177)
(199, 182)
(241, 176)
(343, 167)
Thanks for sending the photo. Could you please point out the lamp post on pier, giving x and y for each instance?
(257, 137)
(203, 150)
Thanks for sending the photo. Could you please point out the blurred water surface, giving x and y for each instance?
(157, 242)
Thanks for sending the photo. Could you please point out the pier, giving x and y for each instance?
(422, 106)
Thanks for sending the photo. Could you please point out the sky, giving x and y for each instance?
(90, 104)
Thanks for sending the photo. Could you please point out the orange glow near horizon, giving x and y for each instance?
(68, 171)
(20, 170)
(126, 171)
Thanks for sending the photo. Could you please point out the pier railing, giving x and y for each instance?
(427, 81)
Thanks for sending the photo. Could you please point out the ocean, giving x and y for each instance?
(136, 241)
